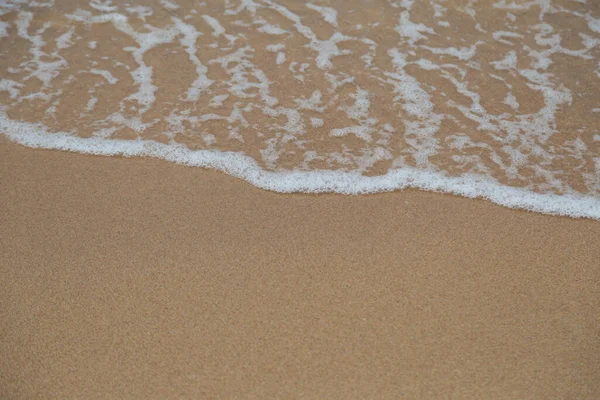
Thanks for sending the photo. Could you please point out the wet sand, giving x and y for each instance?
(468, 97)
(136, 278)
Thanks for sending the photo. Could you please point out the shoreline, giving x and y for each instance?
(239, 165)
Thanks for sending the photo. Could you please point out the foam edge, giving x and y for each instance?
(322, 181)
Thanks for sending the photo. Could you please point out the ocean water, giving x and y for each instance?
(494, 99)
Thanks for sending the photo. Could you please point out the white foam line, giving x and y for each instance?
(244, 167)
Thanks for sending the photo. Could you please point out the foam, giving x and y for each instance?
(105, 74)
(218, 29)
(103, 6)
(140, 11)
(327, 49)
(362, 132)
(189, 36)
(348, 114)
(44, 71)
(91, 104)
(276, 48)
(169, 5)
(329, 14)
(316, 122)
(64, 41)
(464, 53)
(12, 87)
(409, 29)
(417, 102)
(244, 167)
(272, 29)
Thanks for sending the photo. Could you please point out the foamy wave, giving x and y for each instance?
(244, 167)
(333, 96)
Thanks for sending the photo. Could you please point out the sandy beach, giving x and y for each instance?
(185, 215)
(137, 278)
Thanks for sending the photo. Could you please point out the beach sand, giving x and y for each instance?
(137, 278)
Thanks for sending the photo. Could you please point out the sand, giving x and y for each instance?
(136, 278)
(141, 279)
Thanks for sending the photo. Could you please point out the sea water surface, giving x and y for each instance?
(498, 99)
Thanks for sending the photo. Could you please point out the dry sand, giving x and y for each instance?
(133, 278)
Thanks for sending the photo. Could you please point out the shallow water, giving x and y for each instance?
(493, 99)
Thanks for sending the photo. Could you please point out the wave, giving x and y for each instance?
(324, 181)
(494, 100)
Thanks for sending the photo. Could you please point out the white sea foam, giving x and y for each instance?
(169, 5)
(266, 97)
(244, 167)
(329, 14)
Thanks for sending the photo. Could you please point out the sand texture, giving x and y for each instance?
(135, 278)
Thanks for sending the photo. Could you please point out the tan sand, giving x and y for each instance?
(133, 278)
